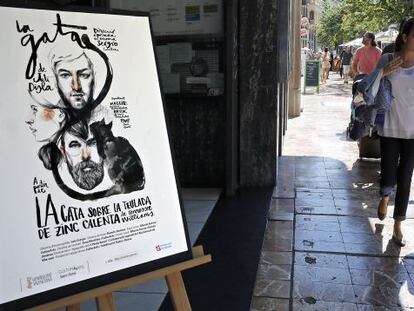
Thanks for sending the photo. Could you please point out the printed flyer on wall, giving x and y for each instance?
(88, 184)
(174, 17)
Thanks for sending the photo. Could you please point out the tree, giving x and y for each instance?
(330, 32)
(348, 19)
(372, 15)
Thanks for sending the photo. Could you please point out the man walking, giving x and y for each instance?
(346, 58)
(366, 57)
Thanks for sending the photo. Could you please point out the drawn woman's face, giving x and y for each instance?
(44, 122)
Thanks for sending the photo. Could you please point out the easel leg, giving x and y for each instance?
(106, 303)
(178, 293)
(73, 307)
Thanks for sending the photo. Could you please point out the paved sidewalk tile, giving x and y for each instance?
(323, 238)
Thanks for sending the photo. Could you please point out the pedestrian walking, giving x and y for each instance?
(346, 58)
(341, 69)
(326, 65)
(397, 132)
(366, 57)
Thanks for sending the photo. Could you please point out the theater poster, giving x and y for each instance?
(88, 189)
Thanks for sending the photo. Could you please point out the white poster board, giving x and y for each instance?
(88, 192)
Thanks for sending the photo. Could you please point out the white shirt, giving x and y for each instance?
(399, 120)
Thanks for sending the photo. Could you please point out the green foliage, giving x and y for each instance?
(329, 32)
(348, 19)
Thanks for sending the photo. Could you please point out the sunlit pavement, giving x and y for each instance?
(324, 248)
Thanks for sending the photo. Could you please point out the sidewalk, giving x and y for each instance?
(324, 248)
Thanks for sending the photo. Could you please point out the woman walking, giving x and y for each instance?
(397, 133)
(326, 65)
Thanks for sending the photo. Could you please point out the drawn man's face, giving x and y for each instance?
(84, 163)
(44, 122)
(75, 82)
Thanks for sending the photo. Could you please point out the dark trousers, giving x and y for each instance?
(397, 163)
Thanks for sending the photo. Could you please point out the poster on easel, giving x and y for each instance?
(88, 192)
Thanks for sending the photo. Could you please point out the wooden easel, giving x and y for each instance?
(104, 295)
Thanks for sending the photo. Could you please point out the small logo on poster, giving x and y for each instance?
(161, 247)
(71, 271)
(29, 282)
(33, 281)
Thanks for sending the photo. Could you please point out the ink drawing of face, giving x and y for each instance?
(75, 82)
(43, 122)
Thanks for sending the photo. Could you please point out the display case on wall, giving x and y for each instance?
(189, 43)
(178, 17)
(191, 65)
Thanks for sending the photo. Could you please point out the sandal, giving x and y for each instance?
(398, 240)
(382, 208)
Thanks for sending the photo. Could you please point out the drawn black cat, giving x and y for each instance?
(122, 161)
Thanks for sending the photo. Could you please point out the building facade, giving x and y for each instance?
(311, 12)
